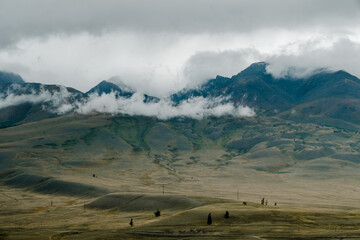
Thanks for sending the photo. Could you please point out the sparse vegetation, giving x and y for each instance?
(132, 161)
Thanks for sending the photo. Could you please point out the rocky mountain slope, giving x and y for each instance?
(329, 98)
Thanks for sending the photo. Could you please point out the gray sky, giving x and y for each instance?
(160, 46)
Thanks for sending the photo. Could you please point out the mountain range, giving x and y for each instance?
(301, 147)
(325, 97)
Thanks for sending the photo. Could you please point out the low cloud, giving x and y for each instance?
(310, 56)
(53, 101)
(203, 66)
(196, 108)
(60, 102)
(173, 62)
(299, 59)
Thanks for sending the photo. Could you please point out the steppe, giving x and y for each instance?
(85, 177)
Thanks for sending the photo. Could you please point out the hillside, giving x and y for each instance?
(107, 169)
(176, 151)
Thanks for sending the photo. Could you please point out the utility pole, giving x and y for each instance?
(237, 194)
(163, 187)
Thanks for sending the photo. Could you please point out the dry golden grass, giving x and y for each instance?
(31, 216)
(317, 198)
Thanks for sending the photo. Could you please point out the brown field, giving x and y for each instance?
(27, 215)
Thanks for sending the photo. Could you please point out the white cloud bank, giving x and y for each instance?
(54, 100)
(208, 64)
(298, 59)
(197, 108)
(307, 57)
(172, 62)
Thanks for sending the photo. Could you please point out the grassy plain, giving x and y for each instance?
(185, 168)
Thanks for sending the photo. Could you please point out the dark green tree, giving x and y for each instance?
(209, 219)
(157, 213)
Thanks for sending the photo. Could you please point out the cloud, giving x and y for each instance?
(203, 66)
(168, 64)
(161, 46)
(54, 101)
(46, 17)
(62, 102)
(83, 60)
(340, 54)
(298, 60)
(172, 62)
(196, 108)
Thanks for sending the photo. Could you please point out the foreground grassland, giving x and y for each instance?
(31, 216)
(85, 177)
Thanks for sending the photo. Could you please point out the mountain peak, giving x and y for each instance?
(106, 87)
(8, 77)
(255, 68)
(117, 81)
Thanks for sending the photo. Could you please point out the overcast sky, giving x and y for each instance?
(160, 46)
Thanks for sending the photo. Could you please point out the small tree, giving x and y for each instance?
(262, 201)
(227, 214)
(209, 219)
(157, 213)
(131, 223)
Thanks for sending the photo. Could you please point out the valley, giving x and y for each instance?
(179, 120)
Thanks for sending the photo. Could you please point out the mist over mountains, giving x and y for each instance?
(328, 98)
